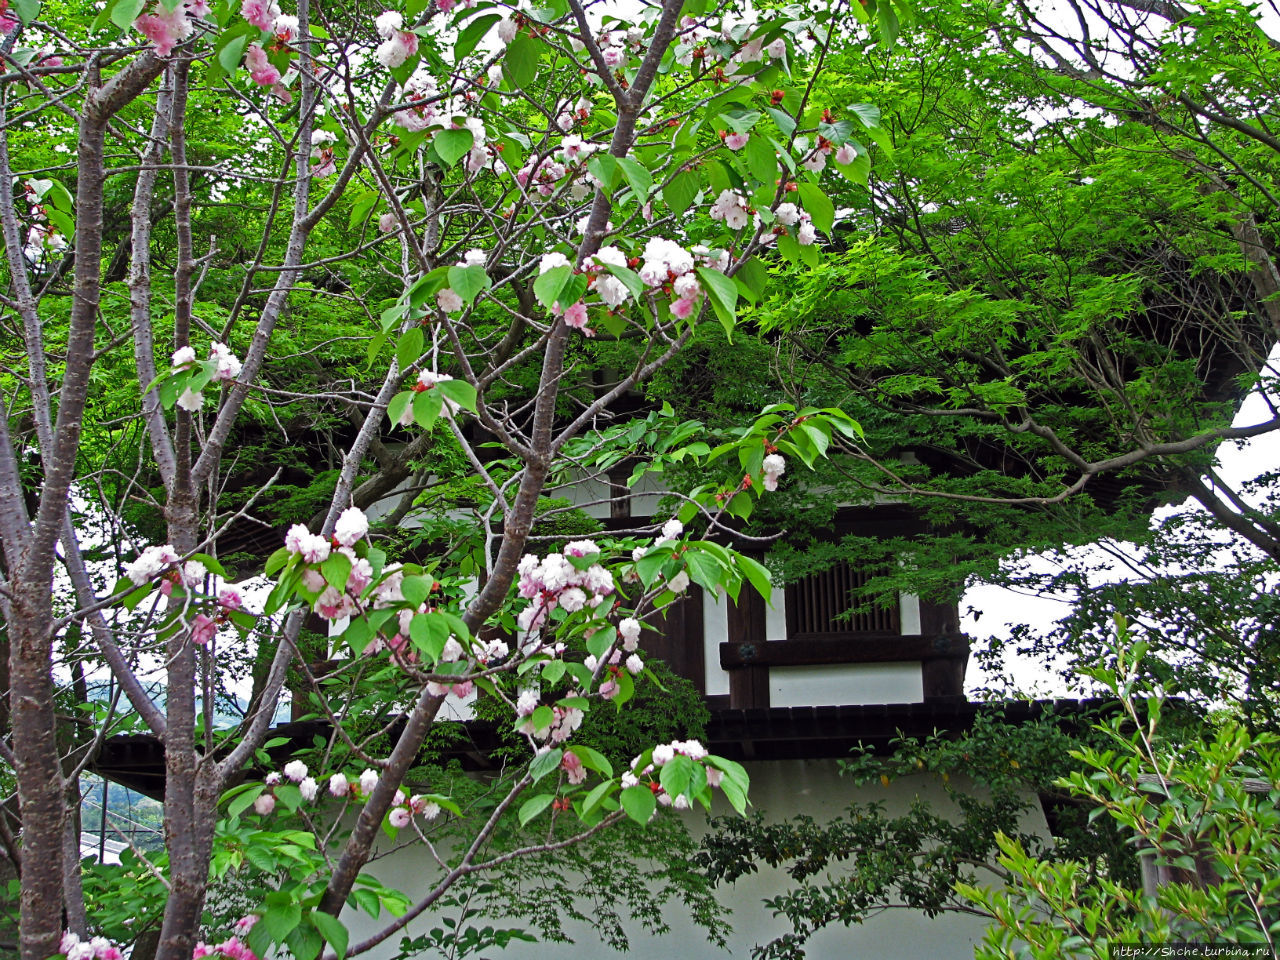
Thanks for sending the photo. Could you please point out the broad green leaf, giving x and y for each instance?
(469, 38)
(544, 763)
(336, 569)
(534, 806)
(819, 206)
(244, 800)
(520, 62)
(593, 760)
(758, 575)
(631, 279)
(639, 802)
(676, 775)
(409, 348)
(467, 282)
(399, 403)
(451, 145)
(681, 191)
(548, 286)
(229, 56)
(761, 160)
(888, 21)
(785, 123)
(604, 167)
(724, 296)
(125, 12)
(638, 177)
(597, 795)
(27, 10)
(333, 931)
(460, 392)
(416, 589)
(279, 920)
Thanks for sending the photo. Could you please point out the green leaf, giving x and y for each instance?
(304, 942)
(604, 167)
(336, 568)
(232, 53)
(544, 763)
(757, 574)
(470, 37)
(277, 561)
(724, 296)
(426, 408)
(785, 123)
(409, 348)
(761, 160)
(451, 145)
(818, 205)
(280, 919)
(681, 191)
(548, 286)
(429, 634)
(542, 717)
(888, 22)
(639, 802)
(534, 806)
(638, 177)
(676, 775)
(703, 570)
(629, 278)
(460, 392)
(288, 796)
(333, 931)
(593, 760)
(594, 798)
(125, 12)
(244, 800)
(520, 63)
(752, 278)
(416, 589)
(425, 287)
(399, 403)
(27, 10)
(467, 282)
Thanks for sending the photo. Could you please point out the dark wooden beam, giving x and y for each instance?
(748, 682)
(746, 654)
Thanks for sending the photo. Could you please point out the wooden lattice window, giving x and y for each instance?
(818, 605)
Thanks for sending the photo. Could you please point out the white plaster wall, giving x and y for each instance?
(840, 684)
(592, 495)
(908, 614)
(715, 631)
(782, 789)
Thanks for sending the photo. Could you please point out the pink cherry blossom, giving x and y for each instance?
(399, 817)
(164, 28)
(264, 804)
(229, 597)
(261, 13)
(682, 308)
(846, 154)
(261, 70)
(573, 768)
(576, 315)
(203, 629)
(736, 141)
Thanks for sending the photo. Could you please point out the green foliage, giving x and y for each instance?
(1204, 818)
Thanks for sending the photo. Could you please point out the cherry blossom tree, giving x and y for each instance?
(506, 198)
